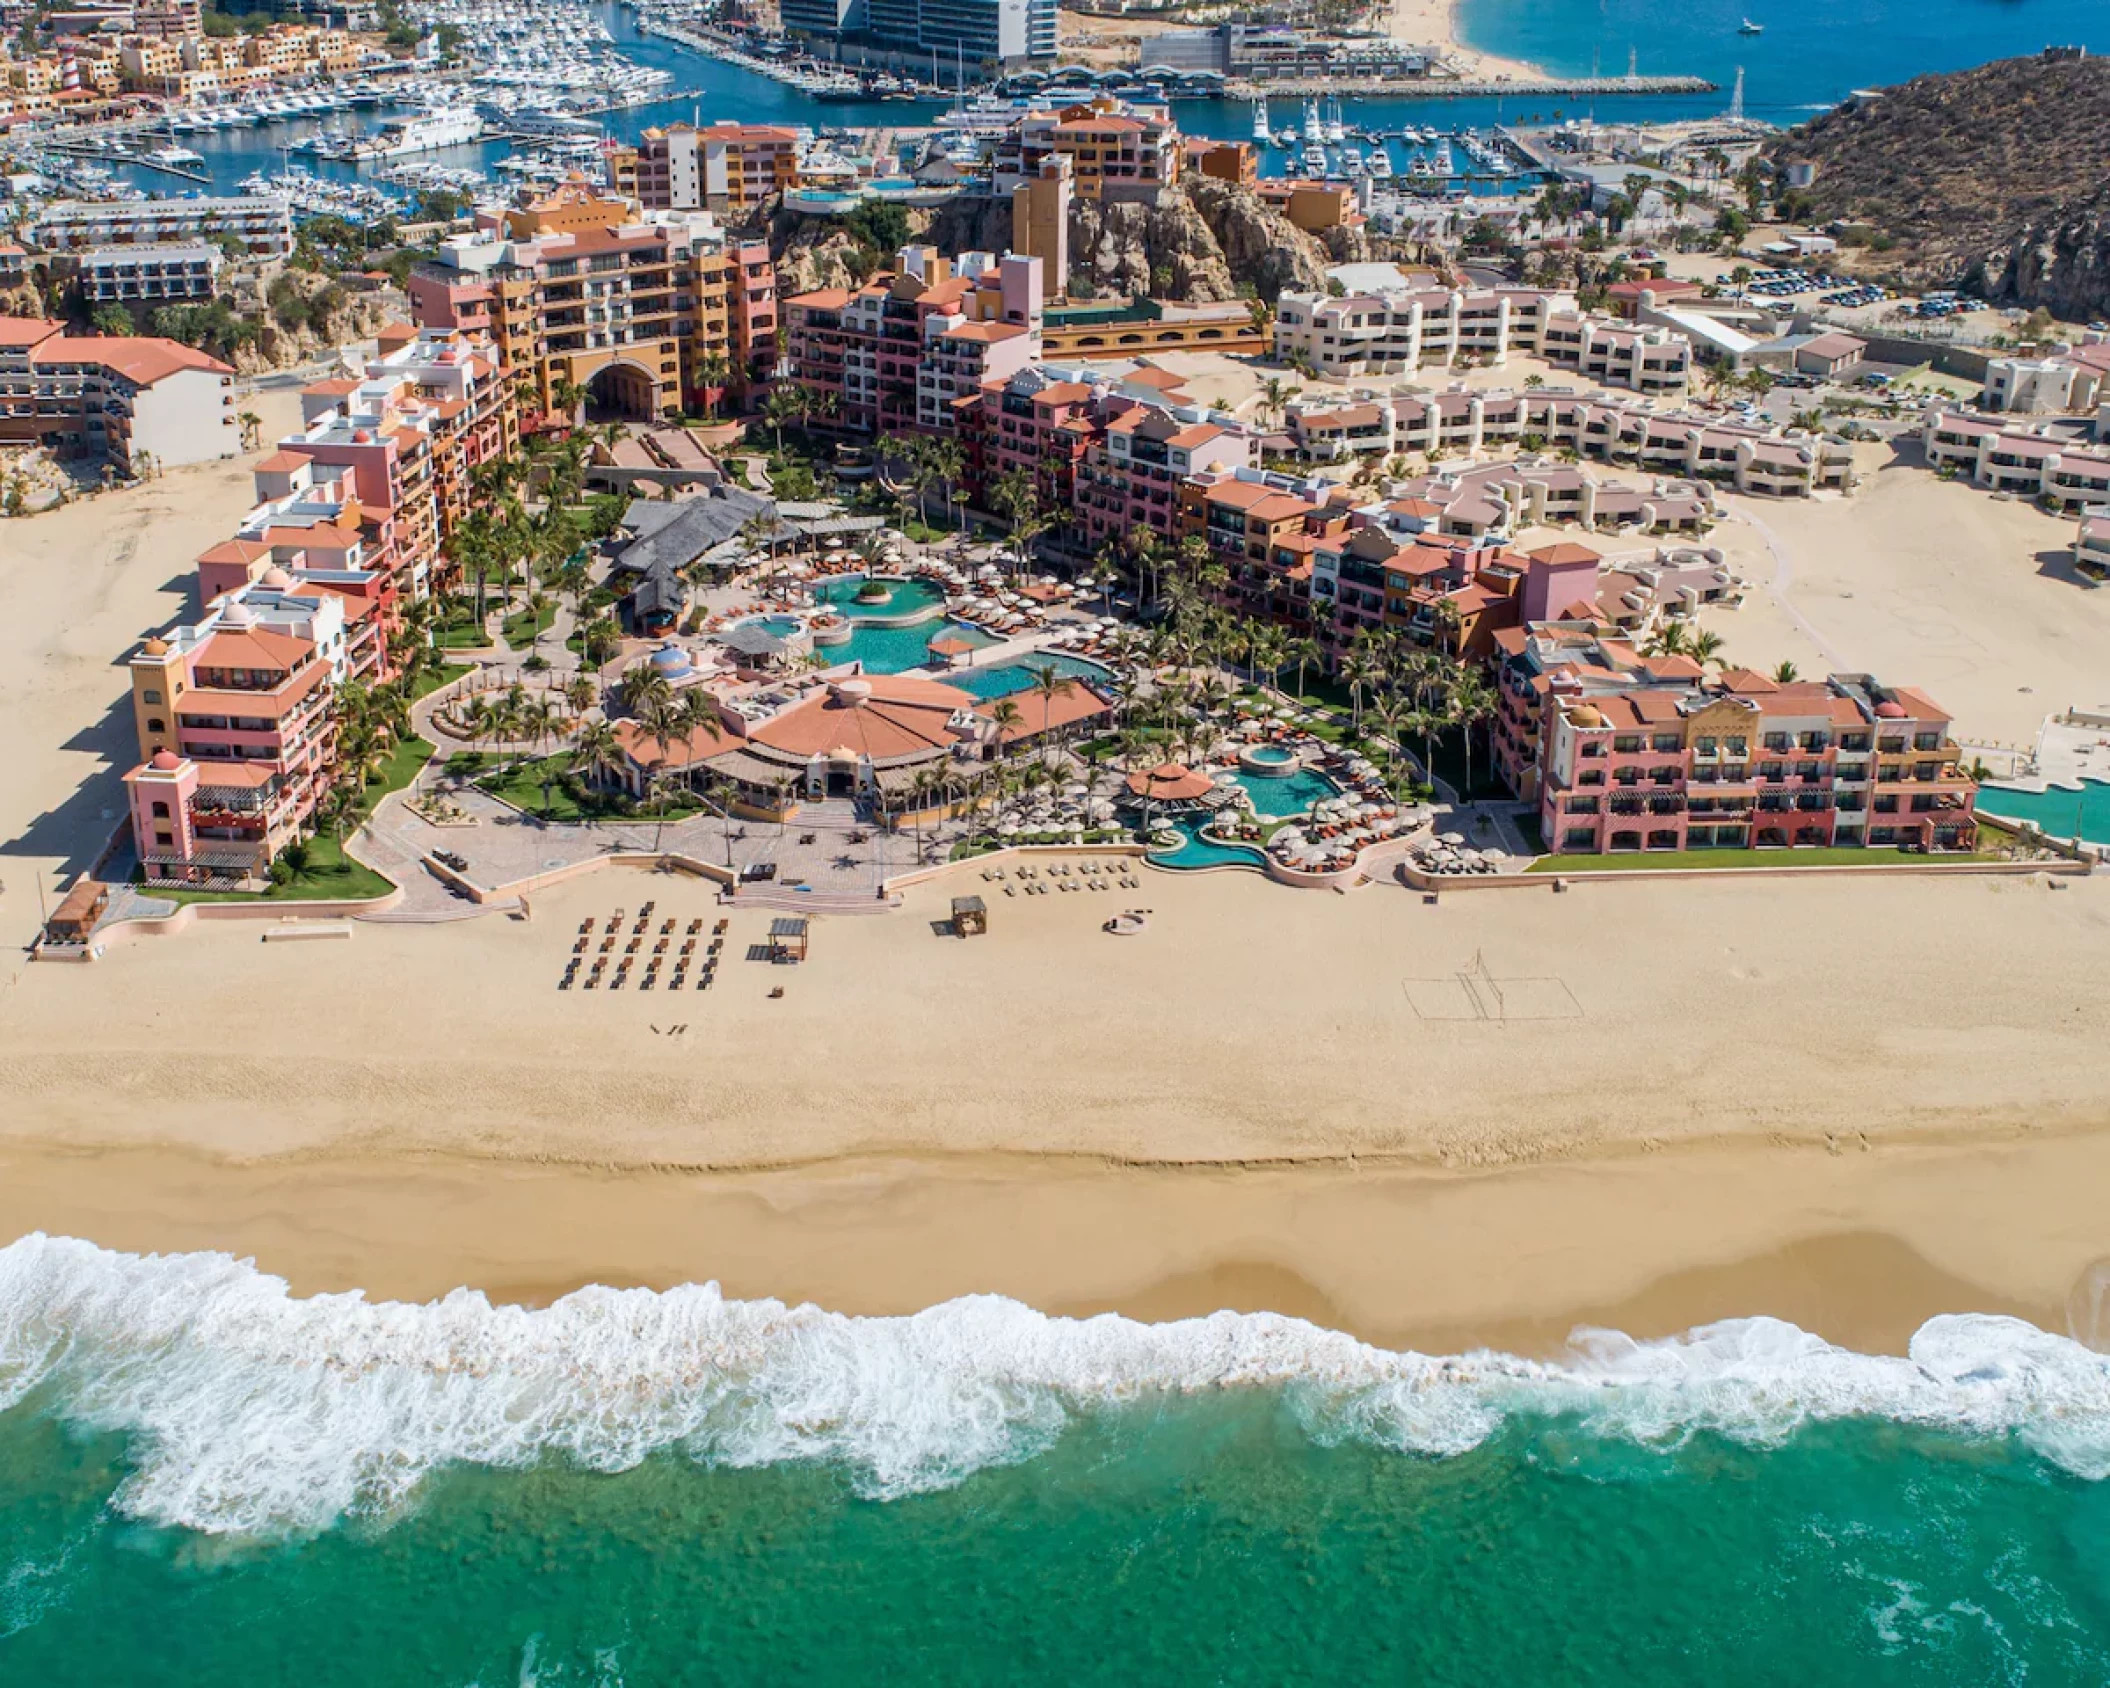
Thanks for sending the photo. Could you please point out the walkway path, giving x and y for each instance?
(1783, 579)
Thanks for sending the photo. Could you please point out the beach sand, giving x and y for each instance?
(1849, 1104)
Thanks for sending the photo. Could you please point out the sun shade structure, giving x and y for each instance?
(969, 914)
(787, 938)
(1171, 782)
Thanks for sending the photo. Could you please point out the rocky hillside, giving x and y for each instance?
(1198, 244)
(1998, 177)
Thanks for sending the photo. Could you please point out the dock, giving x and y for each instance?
(1458, 88)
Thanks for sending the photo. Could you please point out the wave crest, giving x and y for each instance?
(255, 1411)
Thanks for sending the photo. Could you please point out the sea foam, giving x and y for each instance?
(251, 1410)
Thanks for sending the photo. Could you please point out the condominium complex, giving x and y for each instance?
(914, 345)
(1760, 458)
(1397, 332)
(263, 223)
(2066, 382)
(727, 167)
(149, 275)
(1116, 151)
(2052, 465)
(647, 311)
(1626, 752)
(133, 401)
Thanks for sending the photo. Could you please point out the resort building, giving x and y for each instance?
(1128, 328)
(1625, 752)
(727, 167)
(1116, 151)
(1490, 501)
(149, 275)
(865, 737)
(648, 311)
(1396, 332)
(908, 348)
(2032, 462)
(263, 223)
(130, 400)
(405, 439)
(237, 736)
(2091, 544)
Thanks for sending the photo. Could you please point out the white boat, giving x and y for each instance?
(1336, 125)
(1380, 165)
(1351, 161)
(428, 131)
(1314, 124)
(174, 157)
(1315, 159)
(1262, 134)
(1747, 27)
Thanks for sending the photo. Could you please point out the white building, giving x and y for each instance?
(149, 275)
(263, 223)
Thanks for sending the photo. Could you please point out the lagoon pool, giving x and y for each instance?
(1194, 851)
(781, 626)
(2061, 812)
(1014, 677)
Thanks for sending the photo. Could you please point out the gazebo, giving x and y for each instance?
(787, 938)
(969, 915)
(950, 648)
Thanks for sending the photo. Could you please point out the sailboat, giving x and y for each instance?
(1314, 124)
(1747, 27)
(1336, 128)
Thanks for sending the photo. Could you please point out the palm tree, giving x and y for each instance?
(788, 402)
(1673, 638)
(1267, 649)
(1787, 674)
(1004, 714)
(1362, 671)
(1049, 683)
(1275, 394)
(598, 750)
(1704, 646)
(1471, 703)
(925, 784)
(252, 426)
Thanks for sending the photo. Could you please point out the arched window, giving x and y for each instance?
(156, 725)
(161, 810)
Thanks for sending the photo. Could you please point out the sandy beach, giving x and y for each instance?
(1851, 1106)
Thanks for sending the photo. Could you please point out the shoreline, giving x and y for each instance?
(1441, 24)
(1859, 1248)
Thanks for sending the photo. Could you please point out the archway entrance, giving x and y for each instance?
(621, 392)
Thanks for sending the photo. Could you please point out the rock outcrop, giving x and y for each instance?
(1997, 178)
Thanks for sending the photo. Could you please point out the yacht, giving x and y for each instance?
(1380, 165)
(1351, 161)
(1747, 27)
(427, 131)
(1314, 124)
(1315, 159)
(1262, 134)
(174, 157)
(1336, 128)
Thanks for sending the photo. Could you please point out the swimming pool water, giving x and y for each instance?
(783, 626)
(1280, 795)
(1195, 851)
(2062, 812)
(1015, 677)
(906, 598)
(890, 650)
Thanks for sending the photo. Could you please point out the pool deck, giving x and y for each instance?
(2066, 756)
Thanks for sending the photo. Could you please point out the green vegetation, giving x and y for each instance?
(550, 787)
(1809, 856)
(432, 679)
(520, 628)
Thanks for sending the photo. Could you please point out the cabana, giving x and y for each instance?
(787, 938)
(969, 915)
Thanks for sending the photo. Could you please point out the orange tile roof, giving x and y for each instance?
(279, 462)
(899, 718)
(19, 332)
(137, 358)
(252, 647)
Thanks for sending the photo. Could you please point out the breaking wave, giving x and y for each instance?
(251, 1410)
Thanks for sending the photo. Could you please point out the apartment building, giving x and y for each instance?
(132, 400)
(263, 223)
(1758, 458)
(913, 346)
(647, 311)
(728, 167)
(1398, 332)
(2067, 381)
(1263, 535)
(149, 275)
(2033, 462)
(1116, 151)
(974, 34)
(1623, 752)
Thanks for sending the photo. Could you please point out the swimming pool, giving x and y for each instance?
(1014, 677)
(890, 650)
(904, 597)
(1278, 796)
(1194, 851)
(1268, 758)
(2060, 812)
(781, 626)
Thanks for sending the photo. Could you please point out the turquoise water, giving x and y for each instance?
(204, 1482)
(783, 626)
(1196, 851)
(892, 650)
(1015, 677)
(904, 597)
(1282, 795)
(2060, 812)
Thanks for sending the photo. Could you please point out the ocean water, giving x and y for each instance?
(1811, 55)
(205, 1480)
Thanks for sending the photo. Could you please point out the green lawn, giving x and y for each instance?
(519, 628)
(466, 636)
(434, 678)
(521, 786)
(1830, 856)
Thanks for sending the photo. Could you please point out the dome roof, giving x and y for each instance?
(156, 646)
(1890, 710)
(165, 760)
(276, 578)
(237, 614)
(852, 693)
(1585, 715)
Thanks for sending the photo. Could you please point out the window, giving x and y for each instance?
(150, 697)
(155, 724)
